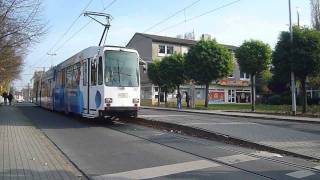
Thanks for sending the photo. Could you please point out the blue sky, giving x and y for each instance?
(246, 19)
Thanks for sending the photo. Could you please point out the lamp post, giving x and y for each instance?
(293, 83)
(298, 16)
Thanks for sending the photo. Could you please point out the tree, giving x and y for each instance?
(172, 72)
(253, 57)
(154, 75)
(315, 14)
(208, 61)
(302, 56)
(262, 81)
(21, 25)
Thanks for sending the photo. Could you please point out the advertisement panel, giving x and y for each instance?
(216, 97)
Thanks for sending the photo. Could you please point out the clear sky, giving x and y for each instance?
(245, 19)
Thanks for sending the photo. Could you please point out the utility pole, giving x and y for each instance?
(106, 25)
(51, 54)
(293, 83)
(298, 16)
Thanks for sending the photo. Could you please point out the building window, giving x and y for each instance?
(169, 50)
(162, 49)
(165, 50)
(244, 76)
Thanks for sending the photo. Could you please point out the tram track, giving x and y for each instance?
(278, 161)
(184, 135)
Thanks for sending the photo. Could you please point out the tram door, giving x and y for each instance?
(86, 85)
(93, 109)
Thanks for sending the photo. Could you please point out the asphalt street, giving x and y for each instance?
(105, 150)
(292, 137)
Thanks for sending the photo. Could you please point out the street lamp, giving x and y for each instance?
(298, 15)
(293, 83)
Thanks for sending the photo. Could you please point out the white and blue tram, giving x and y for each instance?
(96, 82)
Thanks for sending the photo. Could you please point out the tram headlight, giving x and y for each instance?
(135, 100)
(108, 100)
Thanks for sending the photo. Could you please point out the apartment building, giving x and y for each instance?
(234, 89)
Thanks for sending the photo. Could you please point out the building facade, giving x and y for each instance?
(234, 89)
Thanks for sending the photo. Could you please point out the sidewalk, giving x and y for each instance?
(26, 153)
(242, 114)
(284, 139)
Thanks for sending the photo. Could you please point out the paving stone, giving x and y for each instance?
(26, 153)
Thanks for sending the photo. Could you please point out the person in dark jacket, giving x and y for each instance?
(10, 98)
(5, 97)
(179, 104)
(187, 99)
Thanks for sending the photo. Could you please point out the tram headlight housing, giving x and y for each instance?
(135, 100)
(108, 100)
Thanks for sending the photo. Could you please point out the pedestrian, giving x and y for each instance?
(10, 97)
(5, 97)
(187, 99)
(179, 100)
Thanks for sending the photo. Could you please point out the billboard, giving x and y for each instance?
(216, 97)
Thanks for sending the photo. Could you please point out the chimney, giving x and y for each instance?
(206, 36)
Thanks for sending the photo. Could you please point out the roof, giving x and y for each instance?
(174, 40)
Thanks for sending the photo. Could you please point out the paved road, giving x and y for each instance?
(103, 150)
(298, 138)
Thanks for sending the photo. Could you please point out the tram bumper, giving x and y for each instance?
(119, 111)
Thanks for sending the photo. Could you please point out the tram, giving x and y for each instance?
(98, 81)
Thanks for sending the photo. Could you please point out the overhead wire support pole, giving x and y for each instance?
(106, 25)
(293, 83)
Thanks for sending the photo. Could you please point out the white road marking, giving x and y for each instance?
(221, 123)
(236, 159)
(300, 174)
(266, 154)
(160, 170)
(168, 115)
(317, 167)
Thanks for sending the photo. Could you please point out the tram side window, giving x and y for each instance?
(85, 73)
(69, 76)
(63, 77)
(76, 74)
(100, 71)
(93, 72)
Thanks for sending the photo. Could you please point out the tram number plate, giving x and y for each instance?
(123, 95)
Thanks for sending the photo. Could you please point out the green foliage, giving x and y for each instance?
(263, 80)
(208, 61)
(154, 73)
(303, 55)
(254, 56)
(172, 70)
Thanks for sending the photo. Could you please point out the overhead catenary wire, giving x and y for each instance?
(171, 16)
(64, 34)
(70, 27)
(84, 26)
(198, 16)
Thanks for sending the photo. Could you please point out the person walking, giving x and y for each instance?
(187, 99)
(179, 100)
(10, 97)
(5, 97)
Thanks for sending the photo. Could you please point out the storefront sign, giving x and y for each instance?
(216, 97)
(233, 83)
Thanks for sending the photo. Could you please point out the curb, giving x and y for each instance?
(234, 115)
(202, 133)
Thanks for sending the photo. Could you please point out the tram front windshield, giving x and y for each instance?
(121, 69)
